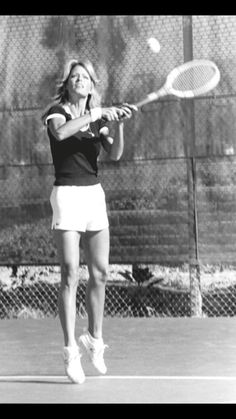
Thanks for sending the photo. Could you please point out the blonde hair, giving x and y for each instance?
(94, 98)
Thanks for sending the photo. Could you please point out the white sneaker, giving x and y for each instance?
(94, 350)
(72, 363)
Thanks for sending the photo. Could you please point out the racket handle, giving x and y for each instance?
(152, 96)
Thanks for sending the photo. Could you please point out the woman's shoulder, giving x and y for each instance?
(56, 108)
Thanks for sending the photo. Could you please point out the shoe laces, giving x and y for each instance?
(98, 351)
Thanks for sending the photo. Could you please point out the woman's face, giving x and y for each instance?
(79, 82)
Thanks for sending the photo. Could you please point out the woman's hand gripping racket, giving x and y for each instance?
(191, 79)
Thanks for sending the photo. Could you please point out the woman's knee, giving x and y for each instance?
(70, 274)
(100, 275)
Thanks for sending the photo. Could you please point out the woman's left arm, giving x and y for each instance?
(115, 146)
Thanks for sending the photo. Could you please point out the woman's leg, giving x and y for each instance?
(96, 247)
(68, 252)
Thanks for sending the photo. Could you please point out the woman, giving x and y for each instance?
(76, 126)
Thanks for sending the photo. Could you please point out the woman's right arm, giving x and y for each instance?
(62, 130)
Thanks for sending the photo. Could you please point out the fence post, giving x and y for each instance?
(189, 139)
(195, 290)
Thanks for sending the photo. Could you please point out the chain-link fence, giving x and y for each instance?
(171, 198)
(29, 291)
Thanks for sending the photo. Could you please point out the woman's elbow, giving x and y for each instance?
(59, 135)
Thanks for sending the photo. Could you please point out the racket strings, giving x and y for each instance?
(194, 78)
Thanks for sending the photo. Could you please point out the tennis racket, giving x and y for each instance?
(191, 79)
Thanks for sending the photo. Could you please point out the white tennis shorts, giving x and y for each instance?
(79, 208)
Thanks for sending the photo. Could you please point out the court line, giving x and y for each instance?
(117, 377)
(229, 401)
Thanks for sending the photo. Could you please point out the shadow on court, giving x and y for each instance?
(149, 360)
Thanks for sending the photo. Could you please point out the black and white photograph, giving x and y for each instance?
(118, 209)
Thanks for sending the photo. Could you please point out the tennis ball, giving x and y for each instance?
(104, 131)
(154, 45)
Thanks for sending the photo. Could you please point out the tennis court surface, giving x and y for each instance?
(150, 360)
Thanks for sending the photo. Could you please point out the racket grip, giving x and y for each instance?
(153, 96)
(149, 98)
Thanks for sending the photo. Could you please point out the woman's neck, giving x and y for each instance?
(76, 110)
(77, 107)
